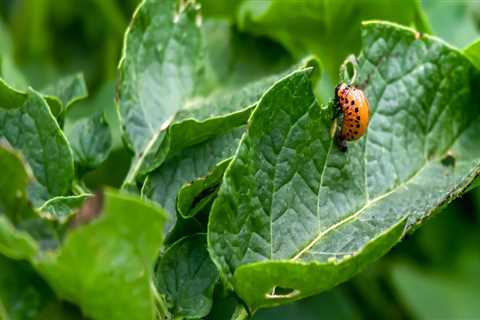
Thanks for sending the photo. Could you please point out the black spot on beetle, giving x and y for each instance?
(358, 117)
(356, 132)
(358, 126)
(356, 109)
(353, 102)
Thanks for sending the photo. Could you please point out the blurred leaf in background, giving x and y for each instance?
(457, 22)
(24, 295)
(63, 37)
(327, 28)
(436, 272)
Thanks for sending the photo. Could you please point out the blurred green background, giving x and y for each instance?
(434, 274)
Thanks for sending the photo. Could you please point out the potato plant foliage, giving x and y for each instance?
(236, 188)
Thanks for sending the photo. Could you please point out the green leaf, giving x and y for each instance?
(59, 96)
(23, 293)
(31, 128)
(20, 225)
(449, 295)
(14, 206)
(103, 101)
(8, 70)
(456, 22)
(9, 97)
(13, 183)
(10, 73)
(333, 304)
(224, 9)
(91, 141)
(62, 208)
(216, 114)
(196, 195)
(187, 277)
(165, 120)
(15, 244)
(163, 184)
(109, 262)
(239, 58)
(330, 29)
(160, 69)
(472, 52)
(295, 212)
(67, 91)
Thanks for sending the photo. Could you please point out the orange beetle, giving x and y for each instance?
(353, 104)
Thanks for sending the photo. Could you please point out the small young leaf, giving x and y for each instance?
(187, 277)
(196, 195)
(67, 91)
(61, 208)
(91, 141)
(163, 184)
(108, 262)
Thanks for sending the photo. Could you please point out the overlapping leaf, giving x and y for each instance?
(165, 96)
(330, 29)
(295, 215)
(161, 68)
(112, 257)
(187, 165)
(28, 125)
(187, 277)
(91, 141)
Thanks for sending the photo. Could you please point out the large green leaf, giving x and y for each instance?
(175, 114)
(186, 165)
(106, 267)
(472, 51)
(207, 117)
(187, 277)
(296, 214)
(161, 68)
(31, 128)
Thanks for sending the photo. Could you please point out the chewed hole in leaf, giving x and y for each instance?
(282, 293)
(448, 160)
(348, 70)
